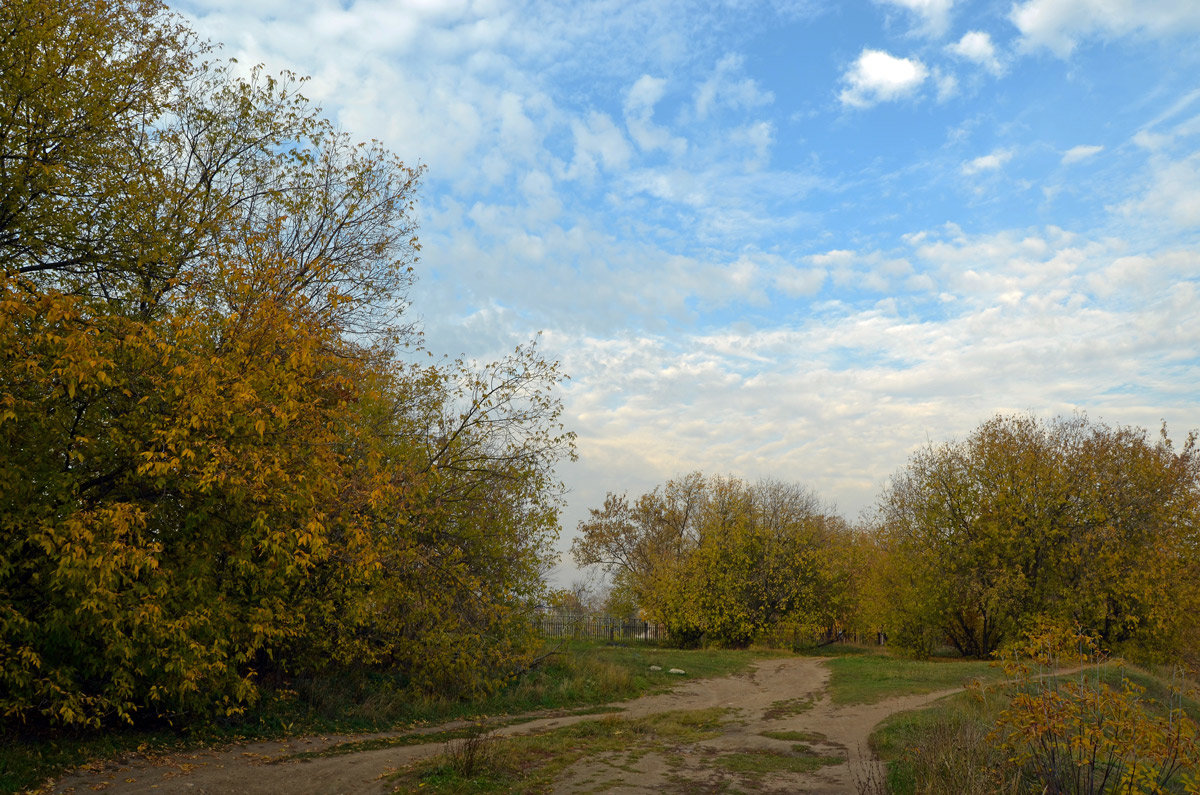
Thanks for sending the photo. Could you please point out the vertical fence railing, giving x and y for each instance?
(592, 627)
(598, 627)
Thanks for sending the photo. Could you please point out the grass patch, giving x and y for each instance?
(1158, 689)
(841, 650)
(794, 736)
(581, 675)
(687, 726)
(943, 748)
(593, 673)
(866, 679)
(530, 764)
(789, 706)
(759, 763)
(425, 738)
(27, 763)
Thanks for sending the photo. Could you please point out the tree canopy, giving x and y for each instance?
(220, 457)
(719, 559)
(1027, 519)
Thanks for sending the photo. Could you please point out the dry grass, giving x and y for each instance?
(471, 755)
(941, 750)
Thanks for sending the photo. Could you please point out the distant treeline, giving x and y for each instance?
(1022, 523)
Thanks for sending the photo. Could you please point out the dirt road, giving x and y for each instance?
(778, 696)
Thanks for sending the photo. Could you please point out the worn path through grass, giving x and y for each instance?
(774, 728)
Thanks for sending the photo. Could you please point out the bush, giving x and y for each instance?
(1080, 735)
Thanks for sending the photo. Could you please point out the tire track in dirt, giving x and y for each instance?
(753, 698)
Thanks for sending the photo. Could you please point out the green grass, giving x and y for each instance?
(841, 650)
(1158, 689)
(795, 736)
(580, 675)
(688, 726)
(758, 763)
(866, 679)
(26, 763)
(942, 748)
(789, 706)
(531, 763)
(425, 738)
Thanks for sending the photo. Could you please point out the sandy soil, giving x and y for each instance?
(778, 695)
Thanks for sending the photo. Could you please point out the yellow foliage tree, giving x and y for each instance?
(722, 560)
(215, 463)
(1024, 518)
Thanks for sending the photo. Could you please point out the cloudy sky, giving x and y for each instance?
(786, 239)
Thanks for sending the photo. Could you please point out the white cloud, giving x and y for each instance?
(840, 399)
(1082, 152)
(934, 15)
(639, 114)
(797, 282)
(1157, 136)
(1059, 25)
(758, 137)
(598, 141)
(947, 84)
(1172, 196)
(977, 46)
(877, 76)
(645, 94)
(834, 258)
(725, 89)
(828, 368)
(989, 162)
(870, 271)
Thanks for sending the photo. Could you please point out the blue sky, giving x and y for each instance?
(786, 239)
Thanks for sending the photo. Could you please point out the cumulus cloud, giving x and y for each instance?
(840, 399)
(639, 113)
(688, 346)
(933, 15)
(947, 84)
(1059, 25)
(1078, 153)
(977, 46)
(877, 76)
(758, 137)
(795, 282)
(727, 88)
(1172, 196)
(645, 94)
(598, 141)
(993, 161)
(837, 257)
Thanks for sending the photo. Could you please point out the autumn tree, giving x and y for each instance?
(1025, 518)
(216, 463)
(637, 543)
(717, 558)
(462, 515)
(756, 562)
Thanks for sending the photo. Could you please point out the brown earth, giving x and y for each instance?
(787, 694)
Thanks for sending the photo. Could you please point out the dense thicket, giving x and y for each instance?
(723, 560)
(216, 462)
(1026, 520)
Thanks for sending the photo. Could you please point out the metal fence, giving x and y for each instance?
(566, 625)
